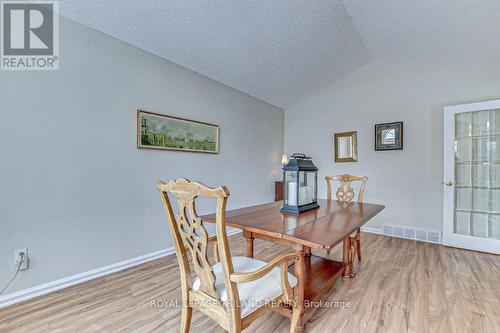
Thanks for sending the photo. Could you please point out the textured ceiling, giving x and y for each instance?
(429, 31)
(284, 50)
(278, 51)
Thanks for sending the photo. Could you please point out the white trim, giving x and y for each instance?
(26, 294)
(479, 106)
(481, 245)
(449, 167)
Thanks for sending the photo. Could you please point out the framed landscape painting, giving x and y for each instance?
(158, 131)
(389, 136)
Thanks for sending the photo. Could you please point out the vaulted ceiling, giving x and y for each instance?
(429, 31)
(284, 50)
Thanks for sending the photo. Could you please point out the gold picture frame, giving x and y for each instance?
(162, 132)
(346, 146)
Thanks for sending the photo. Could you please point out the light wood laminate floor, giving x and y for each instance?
(402, 286)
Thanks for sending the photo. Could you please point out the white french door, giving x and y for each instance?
(471, 194)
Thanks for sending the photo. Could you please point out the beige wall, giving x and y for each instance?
(408, 182)
(75, 189)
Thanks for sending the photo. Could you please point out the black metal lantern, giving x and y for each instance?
(300, 179)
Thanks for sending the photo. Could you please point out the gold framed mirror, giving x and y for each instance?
(346, 146)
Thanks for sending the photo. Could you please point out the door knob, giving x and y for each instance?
(449, 183)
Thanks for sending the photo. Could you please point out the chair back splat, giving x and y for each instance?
(345, 191)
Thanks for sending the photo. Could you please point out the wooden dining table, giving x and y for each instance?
(320, 228)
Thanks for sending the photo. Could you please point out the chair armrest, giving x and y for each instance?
(281, 260)
(252, 276)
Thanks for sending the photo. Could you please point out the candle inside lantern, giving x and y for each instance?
(292, 193)
(303, 195)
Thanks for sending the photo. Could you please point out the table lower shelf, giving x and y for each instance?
(320, 275)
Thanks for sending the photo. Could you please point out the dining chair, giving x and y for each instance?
(345, 193)
(234, 291)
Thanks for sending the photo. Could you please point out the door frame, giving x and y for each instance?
(449, 237)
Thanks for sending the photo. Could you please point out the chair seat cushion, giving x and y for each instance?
(252, 294)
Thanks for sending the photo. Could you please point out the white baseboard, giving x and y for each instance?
(46, 288)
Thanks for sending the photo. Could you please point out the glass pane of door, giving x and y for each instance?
(477, 168)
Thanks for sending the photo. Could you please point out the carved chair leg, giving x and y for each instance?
(358, 244)
(187, 312)
(294, 321)
(234, 321)
(299, 290)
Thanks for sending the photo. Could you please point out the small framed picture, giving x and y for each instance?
(389, 136)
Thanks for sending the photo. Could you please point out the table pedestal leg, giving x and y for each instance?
(250, 239)
(349, 253)
(358, 244)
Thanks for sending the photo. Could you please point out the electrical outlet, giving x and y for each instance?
(18, 256)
